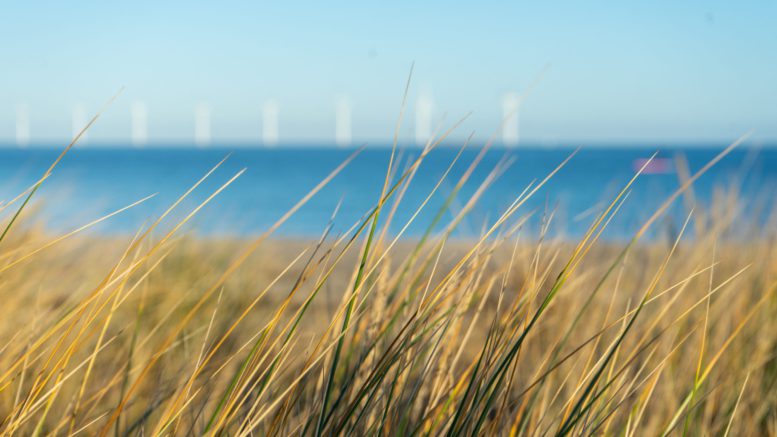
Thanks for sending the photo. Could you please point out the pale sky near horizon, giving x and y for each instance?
(661, 71)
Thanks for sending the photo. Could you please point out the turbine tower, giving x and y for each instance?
(202, 125)
(343, 122)
(22, 125)
(510, 105)
(79, 122)
(423, 119)
(270, 123)
(139, 124)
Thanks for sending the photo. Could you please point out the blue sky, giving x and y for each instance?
(661, 71)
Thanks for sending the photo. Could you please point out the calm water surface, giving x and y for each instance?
(93, 181)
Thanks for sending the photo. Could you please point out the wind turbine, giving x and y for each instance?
(22, 125)
(79, 122)
(270, 123)
(139, 124)
(423, 119)
(343, 122)
(202, 124)
(510, 105)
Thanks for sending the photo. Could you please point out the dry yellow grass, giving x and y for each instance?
(367, 333)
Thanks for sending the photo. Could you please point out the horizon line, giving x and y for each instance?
(168, 144)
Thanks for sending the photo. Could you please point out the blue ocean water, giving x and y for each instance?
(93, 181)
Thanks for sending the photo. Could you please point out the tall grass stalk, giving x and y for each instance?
(368, 331)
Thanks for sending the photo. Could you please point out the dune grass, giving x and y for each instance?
(369, 332)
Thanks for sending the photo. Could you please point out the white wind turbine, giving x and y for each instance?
(423, 119)
(511, 103)
(343, 121)
(202, 124)
(270, 123)
(22, 125)
(139, 116)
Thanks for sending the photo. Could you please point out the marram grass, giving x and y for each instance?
(369, 333)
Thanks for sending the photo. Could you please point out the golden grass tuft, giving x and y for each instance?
(372, 333)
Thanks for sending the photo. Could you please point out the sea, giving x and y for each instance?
(92, 181)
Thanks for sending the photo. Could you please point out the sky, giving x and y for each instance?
(587, 72)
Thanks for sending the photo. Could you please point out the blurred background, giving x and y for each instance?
(283, 82)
